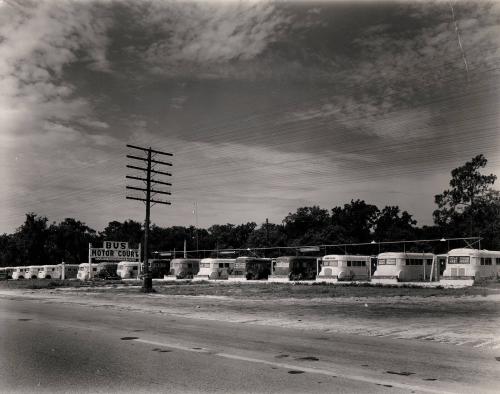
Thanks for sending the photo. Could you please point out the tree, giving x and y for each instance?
(9, 253)
(227, 236)
(391, 226)
(353, 222)
(69, 241)
(129, 231)
(30, 240)
(306, 225)
(468, 186)
(267, 235)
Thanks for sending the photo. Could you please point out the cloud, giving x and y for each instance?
(198, 37)
(37, 41)
(401, 67)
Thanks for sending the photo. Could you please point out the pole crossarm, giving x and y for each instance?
(149, 149)
(152, 161)
(145, 170)
(161, 173)
(136, 168)
(145, 180)
(151, 200)
(160, 192)
(145, 190)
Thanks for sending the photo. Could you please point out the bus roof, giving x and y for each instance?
(345, 257)
(185, 260)
(403, 255)
(217, 260)
(472, 252)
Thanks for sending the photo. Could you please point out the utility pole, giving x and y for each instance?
(267, 235)
(148, 190)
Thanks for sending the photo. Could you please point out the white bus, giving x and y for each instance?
(106, 270)
(214, 268)
(8, 271)
(55, 271)
(404, 267)
(472, 264)
(293, 268)
(83, 271)
(128, 269)
(337, 267)
(250, 268)
(184, 268)
(32, 271)
(19, 273)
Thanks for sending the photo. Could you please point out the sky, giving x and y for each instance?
(266, 106)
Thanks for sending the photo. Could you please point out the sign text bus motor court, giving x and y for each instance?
(114, 251)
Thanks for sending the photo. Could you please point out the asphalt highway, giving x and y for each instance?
(56, 347)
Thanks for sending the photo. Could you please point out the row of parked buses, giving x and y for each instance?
(86, 271)
(457, 264)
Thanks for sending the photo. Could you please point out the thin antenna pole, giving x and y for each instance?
(147, 280)
(459, 40)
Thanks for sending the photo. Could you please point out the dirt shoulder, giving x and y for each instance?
(468, 317)
(259, 290)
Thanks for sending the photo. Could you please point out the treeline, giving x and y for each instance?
(470, 207)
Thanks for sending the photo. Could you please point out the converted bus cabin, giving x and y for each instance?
(55, 271)
(159, 268)
(8, 272)
(286, 268)
(184, 268)
(128, 269)
(32, 271)
(214, 268)
(475, 264)
(345, 267)
(404, 267)
(251, 268)
(19, 273)
(84, 273)
(106, 270)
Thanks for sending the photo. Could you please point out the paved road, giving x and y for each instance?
(57, 347)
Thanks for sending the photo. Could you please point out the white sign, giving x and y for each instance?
(115, 245)
(115, 254)
(309, 249)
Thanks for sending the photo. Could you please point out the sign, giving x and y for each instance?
(114, 251)
(115, 245)
(115, 254)
(309, 249)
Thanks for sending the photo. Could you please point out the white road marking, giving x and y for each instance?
(320, 371)
(464, 342)
(483, 343)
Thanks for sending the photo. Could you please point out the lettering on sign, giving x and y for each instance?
(115, 245)
(114, 254)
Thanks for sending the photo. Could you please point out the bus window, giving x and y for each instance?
(390, 261)
(348, 263)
